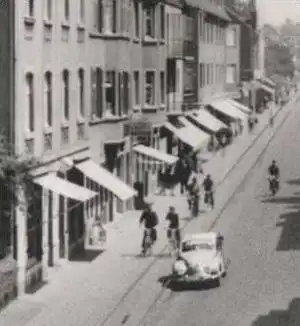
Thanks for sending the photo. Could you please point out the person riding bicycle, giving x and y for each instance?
(274, 170)
(193, 191)
(173, 219)
(208, 186)
(150, 220)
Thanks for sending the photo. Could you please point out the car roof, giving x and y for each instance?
(201, 237)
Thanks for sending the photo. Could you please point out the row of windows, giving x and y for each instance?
(109, 18)
(210, 74)
(30, 6)
(212, 32)
(110, 94)
(114, 16)
(48, 97)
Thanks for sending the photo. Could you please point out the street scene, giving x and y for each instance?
(149, 163)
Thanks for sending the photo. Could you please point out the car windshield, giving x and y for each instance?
(191, 246)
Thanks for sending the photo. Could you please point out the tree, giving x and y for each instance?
(279, 60)
(14, 177)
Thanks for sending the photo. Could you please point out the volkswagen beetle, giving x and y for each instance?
(201, 259)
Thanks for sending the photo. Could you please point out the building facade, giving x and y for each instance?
(91, 85)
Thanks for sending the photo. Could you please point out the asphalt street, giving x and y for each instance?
(262, 242)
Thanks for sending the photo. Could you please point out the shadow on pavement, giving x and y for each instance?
(282, 200)
(87, 256)
(141, 256)
(289, 317)
(289, 221)
(290, 234)
(294, 182)
(169, 283)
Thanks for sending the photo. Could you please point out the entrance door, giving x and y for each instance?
(50, 229)
(61, 227)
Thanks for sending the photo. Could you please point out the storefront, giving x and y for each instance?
(52, 226)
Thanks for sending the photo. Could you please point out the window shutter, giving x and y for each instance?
(99, 92)
(121, 93)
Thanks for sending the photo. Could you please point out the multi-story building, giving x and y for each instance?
(77, 78)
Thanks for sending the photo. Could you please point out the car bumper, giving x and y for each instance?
(195, 278)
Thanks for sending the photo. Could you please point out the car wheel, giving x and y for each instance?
(218, 282)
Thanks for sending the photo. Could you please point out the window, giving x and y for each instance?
(150, 88)
(110, 92)
(81, 92)
(231, 74)
(162, 87)
(66, 97)
(136, 19)
(67, 10)
(207, 74)
(123, 93)
(136, 82)
(30, 101)
(201, 75)
(110, 17)
(29, 8)
(231, 36)
(150, 21)
(98, 15)
(162, 21)
(48, 9)
(97, 92)
(48, 99)
(81, 11)
(123, 17)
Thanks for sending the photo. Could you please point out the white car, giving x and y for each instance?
(201, 259)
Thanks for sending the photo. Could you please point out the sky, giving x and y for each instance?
(275, 12)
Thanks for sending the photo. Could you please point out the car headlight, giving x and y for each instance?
(206, 270)
(180, 267)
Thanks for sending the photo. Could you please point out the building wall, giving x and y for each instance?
(52, 46)
(233, 56)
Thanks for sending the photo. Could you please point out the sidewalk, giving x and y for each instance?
(80, 290)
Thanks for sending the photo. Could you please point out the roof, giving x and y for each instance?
(203, 237)
(210, 8)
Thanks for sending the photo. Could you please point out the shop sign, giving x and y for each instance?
(138, 128)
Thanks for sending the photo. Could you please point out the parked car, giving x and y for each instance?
(201, 259)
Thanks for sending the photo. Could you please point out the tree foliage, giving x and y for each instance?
(14, 177)
(279, 60)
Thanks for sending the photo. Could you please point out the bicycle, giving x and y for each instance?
(173, 241)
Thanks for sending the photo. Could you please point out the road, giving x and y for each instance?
(262, 241)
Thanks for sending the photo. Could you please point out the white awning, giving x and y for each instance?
(269, 81)
(65, 188)
(156, 154)
(187, 137)
(240, 106)
(229, 110)
(206, 119)
(264, 87)
(106, 179)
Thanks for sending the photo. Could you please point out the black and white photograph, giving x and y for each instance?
(149, 162)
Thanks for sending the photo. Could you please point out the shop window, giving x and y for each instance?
(231, 74)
